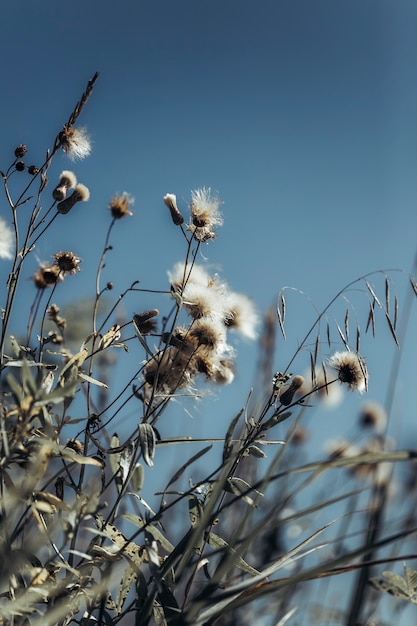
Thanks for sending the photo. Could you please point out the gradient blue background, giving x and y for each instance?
(301, 114)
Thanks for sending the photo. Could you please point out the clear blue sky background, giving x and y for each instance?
(300, 113)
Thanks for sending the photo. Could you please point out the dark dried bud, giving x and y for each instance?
(20, 166)
(33, 170)
(288, 391)
(170, 200)
(20, 151)
(109, 286)
(145, 322)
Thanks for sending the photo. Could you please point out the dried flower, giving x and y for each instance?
(169, 370)
(53, 315)
(145, 322)
(67, 180)
(75, 143)
(6, 240)
(119, 205)
(217, 370)
(46, 276)
(351, 369)
(170, 200)
(81, 193)
(20, 166)
(205, 214)
(33, 170)
(242, 315)
(210, 333)
(373, 415)
(67, 262)
(20, 151)
(203, 295)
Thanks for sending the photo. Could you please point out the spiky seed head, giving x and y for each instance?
(75, 142)
(67, 262)
(205, 214)
(351, 369)
(120, 205)
(46, 276)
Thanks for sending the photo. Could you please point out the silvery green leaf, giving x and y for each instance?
(147, 442)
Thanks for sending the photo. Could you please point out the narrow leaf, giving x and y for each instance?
(147, 442)
(373, 294)
(342, 337)
(218, 543)
(395, 312)
(413, 285)
(391, 327)
(281, 322)
(228, 446)
(347, 324)
(181, 470)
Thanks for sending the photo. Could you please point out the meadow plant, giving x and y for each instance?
(260, 534)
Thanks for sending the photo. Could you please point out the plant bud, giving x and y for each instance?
(20, 151)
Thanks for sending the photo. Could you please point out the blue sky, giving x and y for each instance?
(301, 115)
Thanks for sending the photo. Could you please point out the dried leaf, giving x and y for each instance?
(147, 440)
(114, 459)
(113, 334)
(241, 488)
(316, 349)
(126, 583)
(373, 294)
(387, 295)
(280, 312)
(228, 446)
(313, 371)
(151, 529)
(394, 584)
(195, 510)
(181, 470)
(138, 477)
(218, 543)
(342, 337)
(347, 324)
(92, 381)
(391, 327)
(371, 318)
